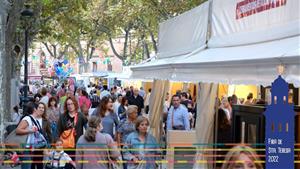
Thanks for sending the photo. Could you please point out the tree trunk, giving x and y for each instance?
(4, 83)
(146, 50)
(48, 49)
(54, 51)
(62, 53)
(154, 43)
(127, 30)
(114, 49)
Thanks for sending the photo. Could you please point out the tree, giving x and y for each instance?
(86, 25)
(139, 22)
(75, 29)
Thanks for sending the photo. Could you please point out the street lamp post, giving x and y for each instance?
(26, 14)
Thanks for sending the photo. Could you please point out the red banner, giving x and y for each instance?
(250, 7)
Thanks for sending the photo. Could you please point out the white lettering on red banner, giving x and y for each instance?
(250, 7)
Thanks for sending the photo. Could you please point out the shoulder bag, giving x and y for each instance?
(68, 136)
(15, 141)
(38, 140)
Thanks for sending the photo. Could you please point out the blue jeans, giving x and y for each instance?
(54, 130)
(24, 160)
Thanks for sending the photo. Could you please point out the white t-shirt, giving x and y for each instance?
(45, 100)
(30, 126)
(88, 90)
(15, 117)
(104, 93)
(147, 100)
(40, 121)
(116, 106)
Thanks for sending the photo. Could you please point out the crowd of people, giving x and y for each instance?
(86, 125)
(76, 124)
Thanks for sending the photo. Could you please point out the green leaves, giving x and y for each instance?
(96, 21)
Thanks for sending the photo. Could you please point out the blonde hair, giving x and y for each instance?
(131, 109)
(234, 154)
(140, 120)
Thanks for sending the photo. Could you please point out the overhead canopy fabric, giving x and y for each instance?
(249, 39)
(184, 33)
(250, 64)
(242, 22)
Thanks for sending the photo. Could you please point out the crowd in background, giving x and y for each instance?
(77, 122)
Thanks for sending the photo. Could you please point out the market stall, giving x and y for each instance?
(245, 45)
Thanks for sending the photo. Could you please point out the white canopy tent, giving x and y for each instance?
(251, 64)
(248, 41)
(273, 40)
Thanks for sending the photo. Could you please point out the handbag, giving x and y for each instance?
(68, 136)
(38, 139)
(111, 164)
(15, 141)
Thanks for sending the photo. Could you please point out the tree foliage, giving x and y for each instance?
(98, 21)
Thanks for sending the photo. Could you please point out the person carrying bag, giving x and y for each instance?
(70, 126)
(39, 140)
(68, 136)
(26, 130)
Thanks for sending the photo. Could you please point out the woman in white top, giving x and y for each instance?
(44, 123)
(27, 127)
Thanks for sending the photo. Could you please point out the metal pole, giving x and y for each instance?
(26, 69)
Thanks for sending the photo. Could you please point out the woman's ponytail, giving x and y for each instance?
(90, 134)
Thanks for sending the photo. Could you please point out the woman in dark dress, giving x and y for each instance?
(224, 127)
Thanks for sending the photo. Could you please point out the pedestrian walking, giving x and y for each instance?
(178, 116)
(122, 108)
(110, 119)
(53, 116)
(90, 144)
(126, 127)
(27, 127)
(141, 146)
(84, 102)
(137, 100)
(70, 125)
(44, 125)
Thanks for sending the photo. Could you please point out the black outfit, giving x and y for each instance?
(95, 100)
(186, 102)
(224, 133)
(66, 122)
(147, 109)
(138, 101)
(224, 128)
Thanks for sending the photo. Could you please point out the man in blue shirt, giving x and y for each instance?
(178, 116)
